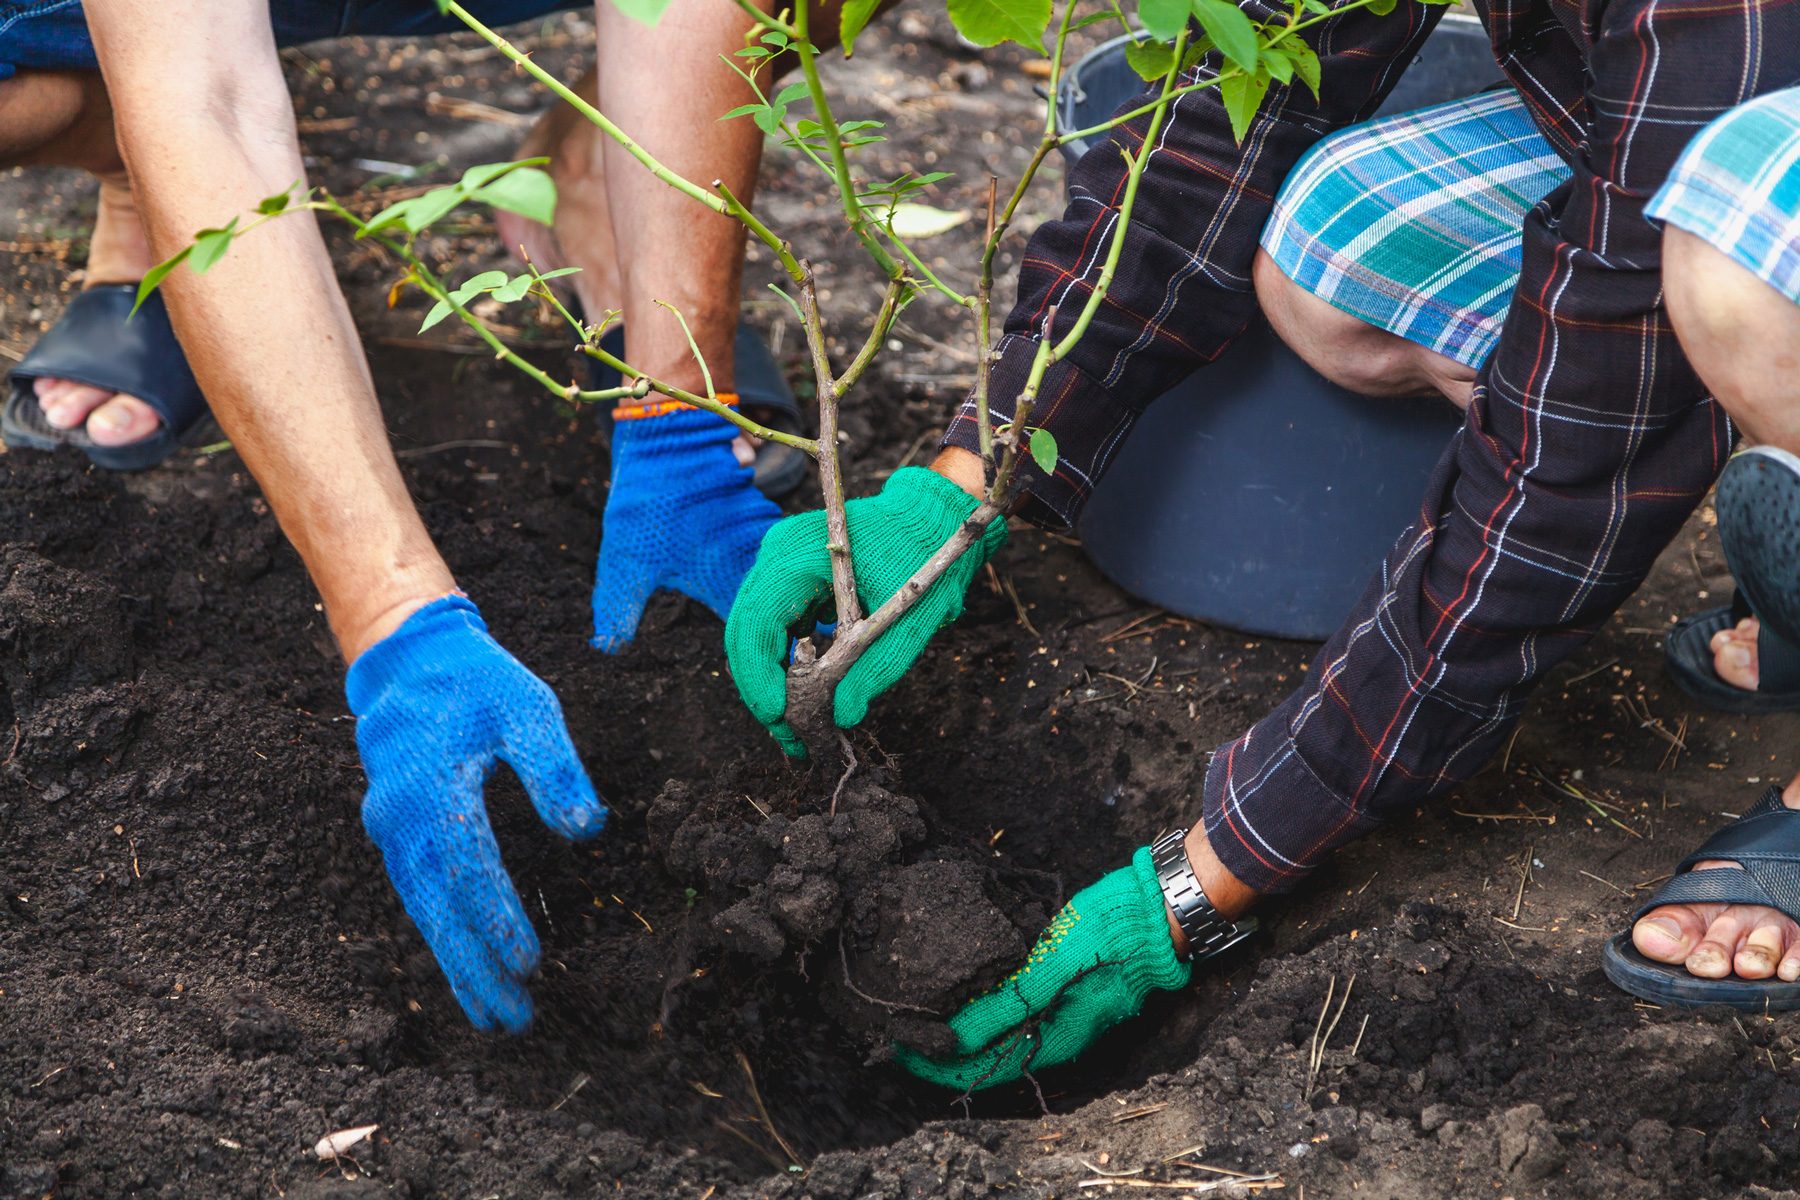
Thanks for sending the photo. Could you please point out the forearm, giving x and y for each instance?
(271, 341)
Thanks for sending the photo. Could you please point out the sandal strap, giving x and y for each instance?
(1777, 661)
(1764, 842)
(100, 342)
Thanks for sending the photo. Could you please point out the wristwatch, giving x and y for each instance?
(1207, 932)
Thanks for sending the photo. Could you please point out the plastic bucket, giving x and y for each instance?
(1256, 494)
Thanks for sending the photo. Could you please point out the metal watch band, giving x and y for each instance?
(1207, 932)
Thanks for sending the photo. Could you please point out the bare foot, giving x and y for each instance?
(118, 253)
(1734, 654)
(1716, 940)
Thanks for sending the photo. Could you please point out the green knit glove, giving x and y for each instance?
(891, 534)
(1090, 970)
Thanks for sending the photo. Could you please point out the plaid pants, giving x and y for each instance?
(1588, 443)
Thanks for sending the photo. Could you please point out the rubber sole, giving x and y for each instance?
(24, 427)
(1662, 983)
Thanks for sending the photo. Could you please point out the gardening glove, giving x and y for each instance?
(438, 703)
(682, 514)
(1090, 970)
(891, 534)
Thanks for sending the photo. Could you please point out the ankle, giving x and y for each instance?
(119, 251)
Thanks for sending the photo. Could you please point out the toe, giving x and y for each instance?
(1668, 934)
(1734, 656)
(1764, 945)
(121, 421)
(1712, 958)
(66, 404)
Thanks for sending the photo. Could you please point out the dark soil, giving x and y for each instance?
(203, 969)
(852, 870)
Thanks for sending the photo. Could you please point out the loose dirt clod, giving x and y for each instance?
(901, 927)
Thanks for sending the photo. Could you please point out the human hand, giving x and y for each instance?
(891, 534)
(438, 704)
(682, 514)
(1090, 970)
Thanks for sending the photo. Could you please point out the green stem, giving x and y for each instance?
(912, 257)
(834, 139)
(884, 322)
(767, 20)
(694, 349)
(434, 288)
(1047, 351)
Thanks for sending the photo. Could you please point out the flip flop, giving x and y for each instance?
(762, 390)
(94, 343)
(1758, 503)
(1688, 655)
(1765, 843)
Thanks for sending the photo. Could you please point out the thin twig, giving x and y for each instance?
(762, 1111)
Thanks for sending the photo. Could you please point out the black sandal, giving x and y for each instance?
(1765, 843)
(1759, 527)
(94, 343)
(1689, 657)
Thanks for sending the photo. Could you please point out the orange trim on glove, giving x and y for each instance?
(657, 408)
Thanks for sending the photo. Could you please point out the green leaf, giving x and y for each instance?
(1382, 8)
(1317, 7)
(1151, 60)
(1199, 47)
(210, 246)
(776, 38)
(268, 206)
(559, 272)
(752, 52)
(646, 11)
(157, 274)
(743, 110)
(513, 289)
(1242, 95)
(990, 22)
(924, 221)
(852, 19)
(1306, 66)
(789, 94)
(1276, 62)
(484, 282)
(1043, 450)
(415, 214)
(1164, 18)
(393, 214)
(443, 7)
(1099, 18)
(1231, 31)
(527, 191)
(438, 312)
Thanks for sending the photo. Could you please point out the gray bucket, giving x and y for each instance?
(1256, 494)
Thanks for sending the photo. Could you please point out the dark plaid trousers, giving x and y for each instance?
(1589, 441)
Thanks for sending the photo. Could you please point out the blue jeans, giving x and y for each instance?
(53, 34)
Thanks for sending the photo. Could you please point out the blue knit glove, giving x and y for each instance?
(438, 704)
(682, 514)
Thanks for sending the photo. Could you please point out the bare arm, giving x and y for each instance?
(206, 128)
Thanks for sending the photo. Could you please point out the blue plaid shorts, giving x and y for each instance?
(52, 35)
(1413, 222)
(1737, 186)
